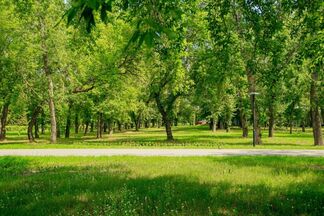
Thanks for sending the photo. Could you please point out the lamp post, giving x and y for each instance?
(253, 94)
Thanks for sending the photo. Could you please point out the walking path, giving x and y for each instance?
(158, 152)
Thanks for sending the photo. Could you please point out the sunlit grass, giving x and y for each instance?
(161, 186)
(186, 137)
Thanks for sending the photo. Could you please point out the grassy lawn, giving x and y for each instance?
(186, 137)
(161, 186)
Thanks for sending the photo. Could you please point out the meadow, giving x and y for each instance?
(185, 137)
(161, 186)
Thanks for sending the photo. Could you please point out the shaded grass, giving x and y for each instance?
(186, 137)
(161, 186)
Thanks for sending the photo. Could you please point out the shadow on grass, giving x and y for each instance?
(278, 164)
(112, 190)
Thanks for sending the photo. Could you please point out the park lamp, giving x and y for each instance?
(253, 94)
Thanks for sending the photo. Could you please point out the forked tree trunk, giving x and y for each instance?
(315, 111)
(32, 123)
(3, 123)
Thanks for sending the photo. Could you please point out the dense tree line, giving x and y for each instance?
(128, 64)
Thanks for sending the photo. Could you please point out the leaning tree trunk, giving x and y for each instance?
(3, 123)
(168, 129)
(256, 127)
(165, 118)
(315, 111)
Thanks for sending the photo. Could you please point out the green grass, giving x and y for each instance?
(186, 137)
(161, 186)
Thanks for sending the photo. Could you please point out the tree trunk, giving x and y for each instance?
(43, 123)
(68, 122)
(119, 126)
(105, 127)
(137, 123)
(31, 123)
(86, 128)
(101, 124)
(214, 125)
(168, 130)
(256, 126)
(92, 126)
(271, 121)
(51, 102)
(76, 123)
(58, 131)
(36, 129)
(315, 111)
(244, 125)
(194, 119)
(98, 125)
(290, 127)
(3, 121)
(303, 125)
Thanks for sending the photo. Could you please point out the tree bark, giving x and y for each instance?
(101, 124)
(243, 120)
(36, 129)
(32, 122)
(315, 111)
(76, 123)
(86, 128)
(68, 122)
(165, 118)
(58, 131)
(168, 129)
(50, 82)
(271, 120)
(91, 126)
(51, 101)
(256, 127)
(214, 126)
(3, 121)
